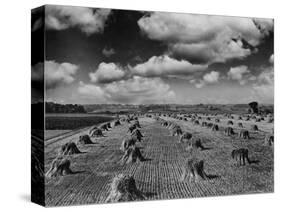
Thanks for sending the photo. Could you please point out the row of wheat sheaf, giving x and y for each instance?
(123, 186)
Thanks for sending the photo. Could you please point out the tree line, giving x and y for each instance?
(51, 107)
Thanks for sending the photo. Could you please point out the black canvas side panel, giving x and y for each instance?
(37, 106)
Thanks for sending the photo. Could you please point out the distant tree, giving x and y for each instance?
(254, 107)
(60, 108)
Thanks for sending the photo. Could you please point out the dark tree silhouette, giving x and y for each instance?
(254, 107)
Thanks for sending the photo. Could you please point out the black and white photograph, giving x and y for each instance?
(132, 105)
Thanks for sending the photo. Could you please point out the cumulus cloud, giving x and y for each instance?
(165, 65)
(209, 78)
(211, 52)
(238, 73)
(266, 76)
(190, 28)
(93, 92)
(87, 20)
(56, 74)
(271, 59)
(264, 87)
(205, 38)
(135, 90)
(106, 73)
(264, 25)
(108, 52)
(141, 90)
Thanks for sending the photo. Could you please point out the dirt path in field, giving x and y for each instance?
(158, 176)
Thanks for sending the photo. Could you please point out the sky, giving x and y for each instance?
(95, 56)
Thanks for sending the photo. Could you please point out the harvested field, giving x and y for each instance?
(159, 175)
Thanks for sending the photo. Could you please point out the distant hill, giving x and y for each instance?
(129, 108)
(110, 108)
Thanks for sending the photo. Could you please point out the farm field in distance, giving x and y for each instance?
(159, 175)
(58, 124)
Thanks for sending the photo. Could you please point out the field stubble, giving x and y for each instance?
(159, 176)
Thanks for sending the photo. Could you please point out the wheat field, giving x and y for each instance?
(159, 175)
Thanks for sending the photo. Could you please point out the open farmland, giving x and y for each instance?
(60, 124)
(73, 121)
(159, 175)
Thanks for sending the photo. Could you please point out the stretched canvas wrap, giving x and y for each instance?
(141, 105)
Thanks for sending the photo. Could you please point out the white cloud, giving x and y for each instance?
(106, 73)
(200, 84)
(190, 28)
(164, 65)
(108, 52)
(252, 78)
(271, 59)
(238, 73)
(88, 20)
(135, 90)
(264, 87)
(156, 66)
(141, 90)
(55, 74)
(93, 92)
(266, 76)
(265, 25)
(211, 77)
(58, 74)
(205, 38)
(213, 51)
